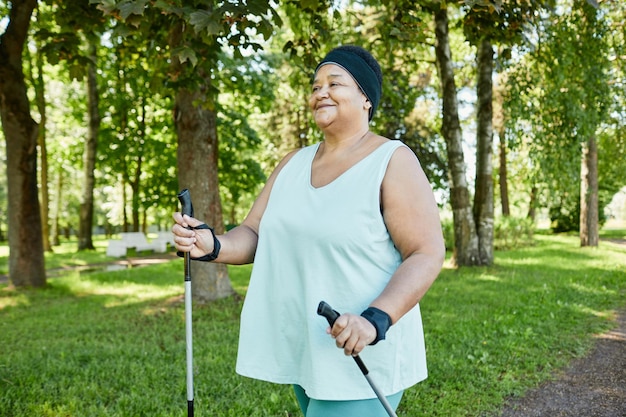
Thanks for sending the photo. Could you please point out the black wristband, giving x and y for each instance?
(380, 320)
(216, 246)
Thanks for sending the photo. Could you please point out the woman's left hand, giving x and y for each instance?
(352, 333)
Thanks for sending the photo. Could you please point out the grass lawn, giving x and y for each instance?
(113, 343)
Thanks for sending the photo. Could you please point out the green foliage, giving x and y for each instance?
(309, 26)
(112, 343)
(502, 23)
(235, 24)
(558, 92)
(612, 170)
(565, 217)
(398, 35)
(513, 232)
(509, 233)
(137, 156)
(447, 227)
(565, 212)
(557, 100)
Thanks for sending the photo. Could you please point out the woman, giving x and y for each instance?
(351, 221)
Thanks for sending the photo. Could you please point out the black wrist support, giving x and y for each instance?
(216, 246)
(380, 320)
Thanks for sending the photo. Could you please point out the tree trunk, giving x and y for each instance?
(85, 238)
(26, 260)
(499, 123)
(532, 203)
(483, 196)
(135, 183)
(124, 210)
(503, 176)
(589, 194)
(40, 98)
(466, 252)
(196, 128)
(55, 232)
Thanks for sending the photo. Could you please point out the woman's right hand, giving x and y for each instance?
(198, 242)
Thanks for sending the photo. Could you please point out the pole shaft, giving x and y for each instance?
(381, 397)
(187, 208)
(188, 337)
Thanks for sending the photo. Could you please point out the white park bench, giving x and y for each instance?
(139, 242)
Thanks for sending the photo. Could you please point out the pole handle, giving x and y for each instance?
(325, 310)
(185, 202)
(186, 208)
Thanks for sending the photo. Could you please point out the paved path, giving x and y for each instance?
(593, 386)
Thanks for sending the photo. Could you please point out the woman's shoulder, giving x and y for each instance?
(387, 145)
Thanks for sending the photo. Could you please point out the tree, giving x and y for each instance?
(134, 131)
(26, 260)
(247, 89)
(499, 127)
(466, 244)
(483, 194)
(85, 240)
(594, 82)
(560, 94)
(487, 23)
(193, 45)
(35, 71)
(59, 34)
(401, 38)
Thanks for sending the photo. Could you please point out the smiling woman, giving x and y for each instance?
(355, 223)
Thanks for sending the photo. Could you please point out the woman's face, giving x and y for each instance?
(336, 97)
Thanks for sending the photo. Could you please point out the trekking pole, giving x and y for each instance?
(187, 208)
(323, 309)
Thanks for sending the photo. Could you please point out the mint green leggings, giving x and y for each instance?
(354, 408)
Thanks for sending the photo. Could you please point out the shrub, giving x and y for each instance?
(509, 233)
(448, 234)
(513, 232)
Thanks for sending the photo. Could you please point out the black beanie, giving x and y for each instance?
(363, 67)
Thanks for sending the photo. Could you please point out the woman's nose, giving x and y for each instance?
(321, 92)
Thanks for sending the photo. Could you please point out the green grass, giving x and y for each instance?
(113, 344)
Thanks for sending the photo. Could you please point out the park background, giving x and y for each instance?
(515, 110)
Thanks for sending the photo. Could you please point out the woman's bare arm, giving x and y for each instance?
(238, 245)
(412, 218)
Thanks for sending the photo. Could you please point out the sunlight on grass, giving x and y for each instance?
(597, 313)
(13, 299)
(131, 291)
(122, 292)
(487, 277)
(591, 290)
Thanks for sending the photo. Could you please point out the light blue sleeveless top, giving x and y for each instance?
(328, 243)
